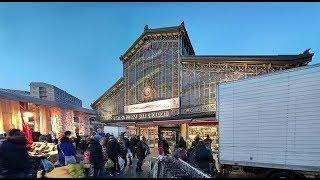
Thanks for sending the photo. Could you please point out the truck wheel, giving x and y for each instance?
(282, 175)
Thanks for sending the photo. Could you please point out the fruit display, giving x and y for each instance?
(76, 170)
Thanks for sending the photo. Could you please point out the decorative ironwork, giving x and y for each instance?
(157, 61)
(112, 105)
(199, 81)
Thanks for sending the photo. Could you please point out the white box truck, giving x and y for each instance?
(270, 124)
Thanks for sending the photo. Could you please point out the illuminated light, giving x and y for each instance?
(28, 114)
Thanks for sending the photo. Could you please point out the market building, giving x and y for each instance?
(168, 91)
(44, 110)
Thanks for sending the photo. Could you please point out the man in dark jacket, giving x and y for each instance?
(128, 147)
(96, 156)
(77, 140)
(133, 145)
(203, 158)
(14, 156)
(196, 140)
(142, 151)
(113, 151)
(166, 147)
(182, 143)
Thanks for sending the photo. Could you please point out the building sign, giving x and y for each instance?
(148, 115)
(152, 106)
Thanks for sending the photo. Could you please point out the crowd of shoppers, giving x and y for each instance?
(98, 149)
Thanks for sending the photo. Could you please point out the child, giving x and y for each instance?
(86, 161)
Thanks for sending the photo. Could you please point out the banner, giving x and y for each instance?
(152, 106)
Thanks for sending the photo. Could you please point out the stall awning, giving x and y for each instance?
(190, 122)
(164, 122)
(145, 124)
(203, 122)
(171, 122)
(126, 123)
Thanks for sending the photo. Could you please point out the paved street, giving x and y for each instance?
(128, 172)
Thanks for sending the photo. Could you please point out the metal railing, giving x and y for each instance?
(194, 172)
(172, 168)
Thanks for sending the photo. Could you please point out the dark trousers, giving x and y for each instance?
(124, 156)
(139, 164)
(115, 167)
(97, 171)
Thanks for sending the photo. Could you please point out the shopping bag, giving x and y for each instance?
(69, 160)
(47, 165)
(121, 163)
(109, 164)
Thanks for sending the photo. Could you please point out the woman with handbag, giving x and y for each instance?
(66, 151)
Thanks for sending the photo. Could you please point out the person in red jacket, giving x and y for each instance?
(28, 134)
(25, 128)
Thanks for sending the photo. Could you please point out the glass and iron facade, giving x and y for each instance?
(165, 83)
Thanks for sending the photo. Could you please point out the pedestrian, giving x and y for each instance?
(77, 140)
(127, 142)
(208, 139)
(166, 147)
(113, 151)
(123, 149)
(182, 143)
(160, 156)
(208, 142)
(84, 144)
(66, 148)
(142, 151)
(96, 156)
(51, 137)
(14, 156)
(191, 150)
(133, 145)
(203, 158)
(196, 140)
(180, 152)
(103, 143)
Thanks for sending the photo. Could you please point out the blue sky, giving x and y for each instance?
(76, 46)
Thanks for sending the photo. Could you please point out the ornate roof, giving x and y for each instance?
(303, 58)
(155, 33)
(114, 88)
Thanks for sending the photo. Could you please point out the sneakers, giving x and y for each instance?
(111, 174)
(118, 173)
